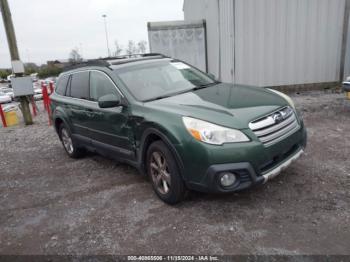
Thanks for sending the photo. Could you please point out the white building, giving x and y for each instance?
(275, 42)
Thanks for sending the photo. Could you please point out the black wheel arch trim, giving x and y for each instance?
(142, 151)
(61, 116)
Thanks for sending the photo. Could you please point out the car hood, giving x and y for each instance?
(224, 104)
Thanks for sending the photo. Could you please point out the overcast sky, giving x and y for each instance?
(49, 29)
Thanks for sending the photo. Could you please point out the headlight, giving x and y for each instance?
(213, 134)
(287, 98)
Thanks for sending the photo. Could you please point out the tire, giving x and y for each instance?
(69, 145)
(164, 174)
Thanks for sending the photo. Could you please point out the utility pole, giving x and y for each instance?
(12, 43)
(106, 31)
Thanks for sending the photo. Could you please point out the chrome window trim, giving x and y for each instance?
(79, 99)
(89, 70)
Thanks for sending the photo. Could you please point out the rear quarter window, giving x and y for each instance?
(62, 85)
(80, 85)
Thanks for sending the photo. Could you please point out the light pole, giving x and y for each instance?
(105, 22)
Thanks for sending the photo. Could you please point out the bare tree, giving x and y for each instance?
(118, 49)
(142, 46)
(74, 56)
(131, 49)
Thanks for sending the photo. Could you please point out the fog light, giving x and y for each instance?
(227, 179)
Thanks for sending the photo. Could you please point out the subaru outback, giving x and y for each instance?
(176, 124)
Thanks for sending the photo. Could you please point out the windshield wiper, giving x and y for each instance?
(156, 98)
(183, 92)
(204, 86)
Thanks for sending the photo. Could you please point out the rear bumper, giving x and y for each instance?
(247, 177)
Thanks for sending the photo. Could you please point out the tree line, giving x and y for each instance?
(43, 71)
(132, 47)
(75, 56)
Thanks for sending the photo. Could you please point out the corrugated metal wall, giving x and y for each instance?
(226, 39)
(347, 56)
(283, 42)
(185, 41)
(275, 42)
(208, 10)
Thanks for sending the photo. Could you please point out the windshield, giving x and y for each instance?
(161, 79)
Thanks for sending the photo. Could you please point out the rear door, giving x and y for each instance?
(79, 106)
(109, 127)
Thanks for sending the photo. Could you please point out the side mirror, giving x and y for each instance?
(109, 101)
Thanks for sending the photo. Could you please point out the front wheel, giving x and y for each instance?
(164, 173)
(69, 145)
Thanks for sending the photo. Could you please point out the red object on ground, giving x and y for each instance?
(45, 96)
(34, 106)
(46, 100)
(49, 108)
(3, 119)
(51, 87)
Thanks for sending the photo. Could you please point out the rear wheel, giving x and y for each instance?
(164, 173)
(72, 149)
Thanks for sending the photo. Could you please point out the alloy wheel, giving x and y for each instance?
(160, 173)
(67, 141)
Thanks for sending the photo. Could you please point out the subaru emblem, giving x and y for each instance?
(278, 117)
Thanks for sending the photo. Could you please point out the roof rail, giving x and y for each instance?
(108, 61)
(93, 62)
(133, 56)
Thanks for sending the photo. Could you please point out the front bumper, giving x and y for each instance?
(247, 177)
(252, 163)
(277, 170)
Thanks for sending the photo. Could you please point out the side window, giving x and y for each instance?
(80, 85)
(101, 85)
(62, 85)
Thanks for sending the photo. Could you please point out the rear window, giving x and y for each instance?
(80, 85)
(62, 85)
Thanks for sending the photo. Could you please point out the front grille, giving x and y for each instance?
(276, 126)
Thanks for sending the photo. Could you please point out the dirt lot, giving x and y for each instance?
(51, 204)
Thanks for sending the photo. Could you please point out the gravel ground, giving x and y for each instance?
(51, 204)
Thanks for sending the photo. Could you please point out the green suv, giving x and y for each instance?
(176, 124)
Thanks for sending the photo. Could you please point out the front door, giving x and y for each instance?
(109, 127)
